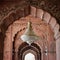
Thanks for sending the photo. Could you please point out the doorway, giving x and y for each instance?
(29, 56)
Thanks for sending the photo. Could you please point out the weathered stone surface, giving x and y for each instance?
(46, 17)
(57, 36)
(40, 13)
(33, 11)
(56, 29)
(58, 49)
(52, 22)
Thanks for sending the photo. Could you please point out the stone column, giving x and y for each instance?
(16, 56)
(8, 47)
(58, 49)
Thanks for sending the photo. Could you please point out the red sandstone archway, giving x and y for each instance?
(18, 27)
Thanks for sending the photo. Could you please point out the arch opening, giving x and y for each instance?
(29, 56)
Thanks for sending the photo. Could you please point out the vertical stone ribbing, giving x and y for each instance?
(40, 13)
(33, 11)
(46, 17)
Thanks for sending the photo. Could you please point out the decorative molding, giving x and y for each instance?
(49, 20)
(7, 9)
(50, 6)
